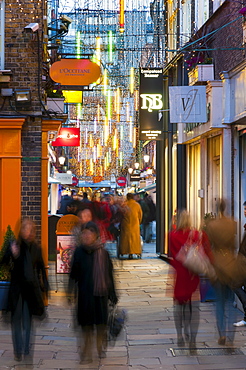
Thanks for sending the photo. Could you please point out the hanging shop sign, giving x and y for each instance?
(75, 72)
(187, 104)
(151, 104)
(64, 178)
(67, 136)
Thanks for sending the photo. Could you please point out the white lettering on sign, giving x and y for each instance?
(67, 136)
(151, 101)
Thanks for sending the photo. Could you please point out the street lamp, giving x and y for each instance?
(130, 170)
(146, 158)
(136, 165)
(62, 160)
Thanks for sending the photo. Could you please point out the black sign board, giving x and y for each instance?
(151, 104)
(135, 177)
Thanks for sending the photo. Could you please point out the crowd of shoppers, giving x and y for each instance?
(91, 280)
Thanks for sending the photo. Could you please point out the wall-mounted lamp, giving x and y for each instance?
(130, 170)
(31, 27)
(22, 98)
(136, 165)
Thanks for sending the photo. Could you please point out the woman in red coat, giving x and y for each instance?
(186, 313)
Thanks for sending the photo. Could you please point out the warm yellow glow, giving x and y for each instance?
(106, 131)
(98, 112)
(105, 82)
(91, 166)
(136, 98)
(91, 141)
(99, 151)
(134, 138)
(132, 80)
(109, 104)
(115, 141)
(121, 159)
(118, 103)
(97, 56)
(130, 130)
(115, 101)
(79, 110)
(122, 15)
(127, 112)
(72, 96)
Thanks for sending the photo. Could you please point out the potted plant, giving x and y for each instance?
(5, 270)
(200, 69)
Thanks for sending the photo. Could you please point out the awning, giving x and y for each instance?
(151, 187)
(101, 184)
(52, 180)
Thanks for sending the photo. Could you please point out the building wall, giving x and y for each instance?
(23, 57)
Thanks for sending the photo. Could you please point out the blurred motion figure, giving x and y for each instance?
(28, 280)
(92, 275)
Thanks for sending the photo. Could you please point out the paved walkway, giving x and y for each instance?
(149, 338)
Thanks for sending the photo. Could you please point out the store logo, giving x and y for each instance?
(151, 101)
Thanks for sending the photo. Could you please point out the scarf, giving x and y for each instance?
(100, 271)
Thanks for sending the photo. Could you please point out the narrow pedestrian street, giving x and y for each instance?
(148, 340)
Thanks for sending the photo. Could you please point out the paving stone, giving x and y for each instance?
(145, 290)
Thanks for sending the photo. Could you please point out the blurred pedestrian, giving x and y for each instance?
(66, 200)
(241, 292)
(139, 197)
(116, 216)
(221, 232)
(147, 235)
(186, 302)
(130, 242)
(85, 198)
(92, 274)
(28, 280)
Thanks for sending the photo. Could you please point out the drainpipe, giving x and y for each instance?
(227, 107)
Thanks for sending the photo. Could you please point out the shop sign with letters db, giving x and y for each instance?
(151, 104)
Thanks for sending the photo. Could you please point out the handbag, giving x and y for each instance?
(194, 258)
(116, 321)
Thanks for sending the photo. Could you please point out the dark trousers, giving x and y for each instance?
(240, 292)
(21, 327)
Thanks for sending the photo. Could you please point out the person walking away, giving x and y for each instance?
(28, 279)
(186, 302)
(221, 233)
(130, 242)
(241, 292)
(92, 274)
(85, 198)
(150, 218)
(138, 197)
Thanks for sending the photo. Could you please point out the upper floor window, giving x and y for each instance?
(2, 18)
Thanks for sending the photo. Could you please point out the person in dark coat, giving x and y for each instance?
(28, 280)
(65, 202)
(92, 274)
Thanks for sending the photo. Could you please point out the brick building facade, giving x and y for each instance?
(24, 129)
